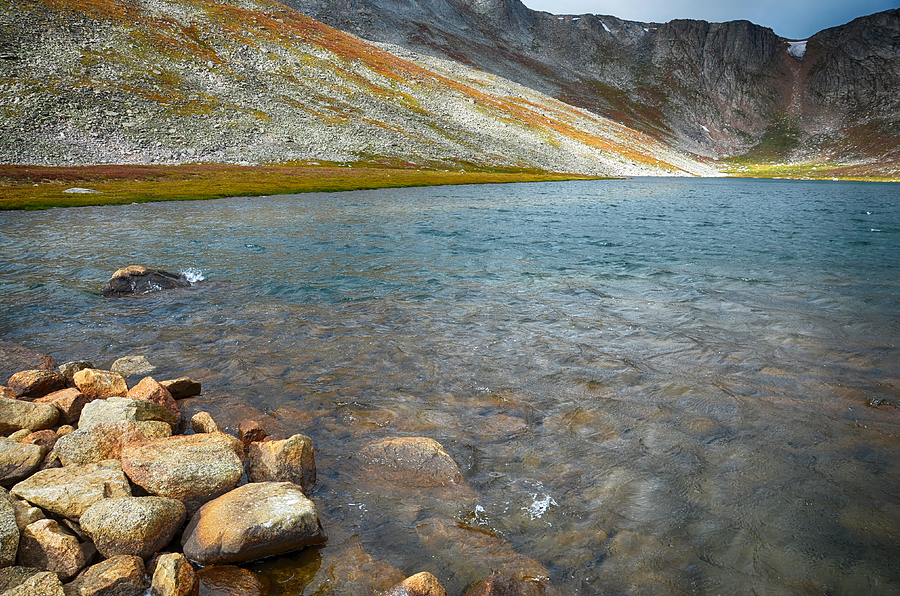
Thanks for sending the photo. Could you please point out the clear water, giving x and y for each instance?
(653, 386)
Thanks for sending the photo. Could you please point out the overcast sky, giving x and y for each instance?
(793, 19)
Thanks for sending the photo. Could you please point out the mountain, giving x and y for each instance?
(253, 81)
(714, 89)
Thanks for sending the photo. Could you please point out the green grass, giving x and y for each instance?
(37, 187)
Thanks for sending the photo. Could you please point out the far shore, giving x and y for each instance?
(43, 187)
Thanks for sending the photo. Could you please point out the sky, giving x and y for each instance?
(792, 19)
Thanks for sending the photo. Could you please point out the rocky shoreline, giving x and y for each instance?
(109, 489)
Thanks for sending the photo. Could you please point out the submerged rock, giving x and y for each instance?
(136, 280)
(132, 366)
(15, 358)
(226, 580)
(411, 461)
(498, 584)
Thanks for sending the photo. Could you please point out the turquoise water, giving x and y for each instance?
(653, 386)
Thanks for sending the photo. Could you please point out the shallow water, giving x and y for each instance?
(653, 386)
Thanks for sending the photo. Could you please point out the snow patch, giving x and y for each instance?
(605, 27)
(704, 128)
(797, 49)
(81, 191)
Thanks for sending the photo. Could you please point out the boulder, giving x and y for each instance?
(69, 402)
(182, 387)
(132, 366)
(138, 526)
(105, 440)
(289, 460)
(25, 513)
(350, 572)
(226, 580)
(32, 384)
(135, 280)
(124, 408)
(69, 491)
(9, 531)
(96, 383)
(251, 431)
(191, 468)
(420, 584)
(415, 462)
(43, 438)
(251, 522)
(149, 390)
(498, 584)
(174, 576)
(46, 546)
(15, 358)
(42, 583)
(69, 369)
(11, 577)
(19, 435)
(202, 422)
(18, 460)
(16, 415)
(123, 575)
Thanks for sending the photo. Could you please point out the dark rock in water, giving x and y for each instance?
(15, 358)
(136, 280)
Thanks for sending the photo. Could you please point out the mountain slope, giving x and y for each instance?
(716, 89)
(165, 81)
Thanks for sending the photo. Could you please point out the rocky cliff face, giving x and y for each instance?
(717, 89)
(167, 81)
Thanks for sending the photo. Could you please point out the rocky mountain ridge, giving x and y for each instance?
(253, 81)
(714, 89)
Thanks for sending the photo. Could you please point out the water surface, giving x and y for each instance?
(653, 386)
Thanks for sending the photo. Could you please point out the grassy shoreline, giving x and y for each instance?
(41, 187)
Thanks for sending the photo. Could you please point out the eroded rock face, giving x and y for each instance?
(290, 460)
(46, 546)
(136, 280)
(123, 575)
(32, 384)
(410, 461)
(138, 526)
(251, 522)
(191, 468)
(69, 491)
(96, 383)
(16, 415)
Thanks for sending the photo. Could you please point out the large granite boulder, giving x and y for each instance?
(251, 522)
(416, 462)
(289, 460)
(15, 358)
(46, 546)
(123, 575)
(191, 468)
(42, 583)
(32, 384)
(18, 460)
(9, 531)
(136, 280)
(174, 576)
(139, 526)
(150, 390)
(124, 408)
(96, 383)
(16, 415)
(106, 440)
(69, 491)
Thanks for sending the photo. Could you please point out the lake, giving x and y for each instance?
(652, 386)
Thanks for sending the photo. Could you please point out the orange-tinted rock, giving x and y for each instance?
(420, 584)
(202, 422)
(351, 571)
(410, 461)
(69, 369)
(229, 580)
(173, 576)
(44, 545)
(253, 521)
(289, 460)
(44, 438)
(149, 390)
(32, 384)
(182, 387)
(42, 583)
(7, 392)
(123, 575)
(106, 440)
(251, 431)
(95, 383)
(69, 402)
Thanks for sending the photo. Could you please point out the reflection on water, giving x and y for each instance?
(652, 386)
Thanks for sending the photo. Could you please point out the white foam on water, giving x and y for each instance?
(193, 275)
(539, 507)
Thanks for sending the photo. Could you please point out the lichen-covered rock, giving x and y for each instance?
(46, 546)
(289, 460)
(135, 280)
(69, 491)
(191, 468)
(18, 460)
(417, 462)
(420, 584)
(16, 415)
(15, 358)
(182, 387)
(68, 401)
(123, 575)
(132, 366)
(202, 422)
(9, 531)
(150, 390)
(251, 522)
(106, 440)
(174, 576)
(42, 583)
(138, 526)
(32, 384)
(124, 408)
(225, 580)
(96, 383)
